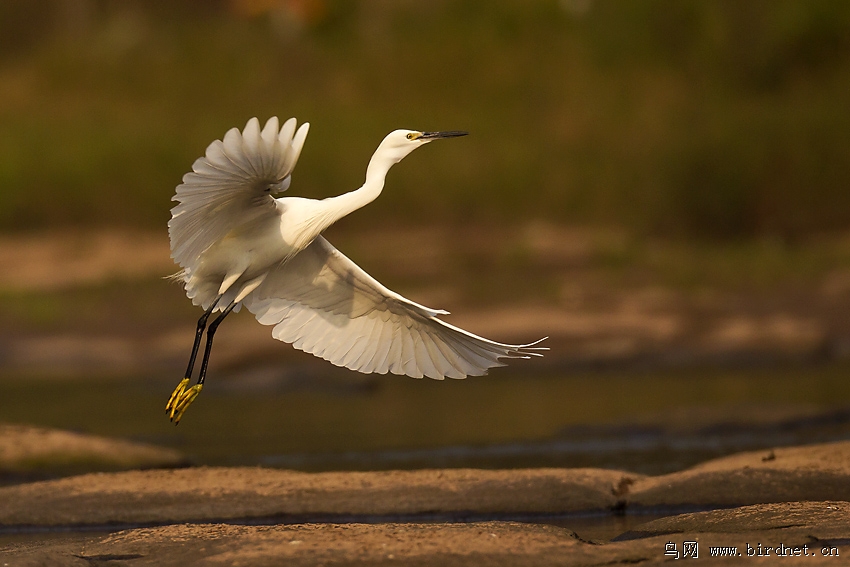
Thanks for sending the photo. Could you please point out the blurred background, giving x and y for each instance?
(659, 186)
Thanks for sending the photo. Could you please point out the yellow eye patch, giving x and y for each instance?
(414, 135)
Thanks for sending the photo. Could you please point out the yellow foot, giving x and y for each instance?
(180, 399)
(175, 395)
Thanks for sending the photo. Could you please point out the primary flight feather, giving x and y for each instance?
(239, 245)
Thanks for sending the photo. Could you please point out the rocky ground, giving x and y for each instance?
(793, 502)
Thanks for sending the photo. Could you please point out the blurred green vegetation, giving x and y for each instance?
(720, 119)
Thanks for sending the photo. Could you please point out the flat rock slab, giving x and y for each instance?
(26, 449)
(789, 521)
(203, 512)
(813, 472)
(217, 494)
(212, 494)
(485, 543)
(801, 533)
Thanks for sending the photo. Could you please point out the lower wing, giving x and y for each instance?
(324, 304)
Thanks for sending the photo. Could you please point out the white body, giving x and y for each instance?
(233, 239)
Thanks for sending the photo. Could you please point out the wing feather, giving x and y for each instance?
(408, 355)
(422, 359)
(367, 350)
(384, 345)
(438, 365)
(323, 303)
(449, 364)
(230, 186)
(394, 353)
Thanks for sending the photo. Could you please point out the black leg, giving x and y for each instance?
(210, 334)
(182, 397)
(202, 323)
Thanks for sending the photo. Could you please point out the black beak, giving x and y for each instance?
(438, 135)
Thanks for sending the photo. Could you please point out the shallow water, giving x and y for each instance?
(597, 527)
(320, 418)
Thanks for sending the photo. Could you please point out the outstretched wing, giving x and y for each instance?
(232, 185)
(324, 304)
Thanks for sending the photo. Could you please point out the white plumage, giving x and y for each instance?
(237, 244)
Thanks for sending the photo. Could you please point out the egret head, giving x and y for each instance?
(399, 143)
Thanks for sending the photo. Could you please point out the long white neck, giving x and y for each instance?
(334, 208)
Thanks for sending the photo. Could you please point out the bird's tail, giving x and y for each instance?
(177, 277)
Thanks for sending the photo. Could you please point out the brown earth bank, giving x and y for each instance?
(792, 502)
(219, 493)
(34, 451)
(813, 533)
(813, 472)
(203, 494)
(601, 298)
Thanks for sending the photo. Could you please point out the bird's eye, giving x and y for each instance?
(410, 136)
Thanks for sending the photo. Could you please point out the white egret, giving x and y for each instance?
(238, 245)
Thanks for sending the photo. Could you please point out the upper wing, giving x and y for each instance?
(231, 185)
(324, 304)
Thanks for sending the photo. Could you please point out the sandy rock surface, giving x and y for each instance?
(217, 493)
(487, 543)
(820, 521)
(760, 505)
(756, 531)
(813, 472)
(25, 448)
